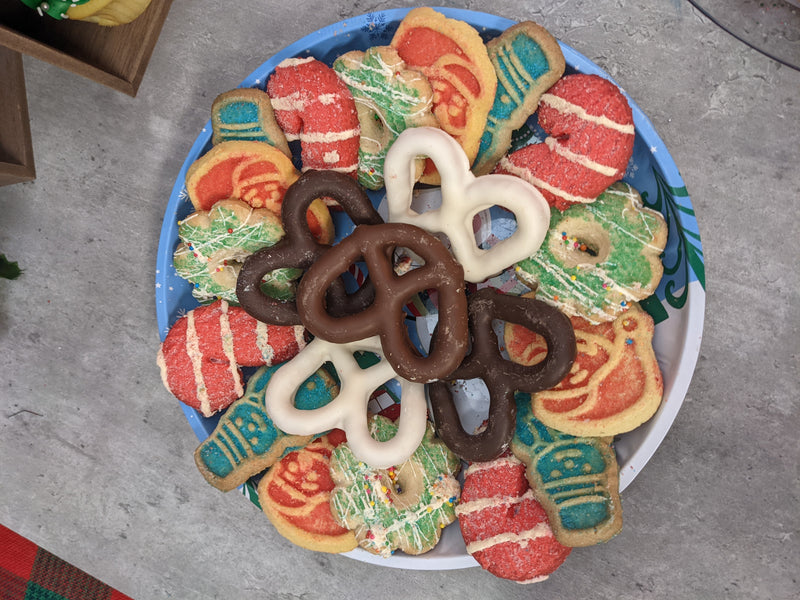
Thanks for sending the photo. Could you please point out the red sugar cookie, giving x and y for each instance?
(314, 106)
(295, 496)
(590, 141)
(505, 528)
(202, 352)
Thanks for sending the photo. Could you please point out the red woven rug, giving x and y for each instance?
(28, 572)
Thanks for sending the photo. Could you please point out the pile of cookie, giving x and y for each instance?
(326, 325)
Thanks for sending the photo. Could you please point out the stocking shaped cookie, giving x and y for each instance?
(348, 411)
(576, 479)
(463, 197)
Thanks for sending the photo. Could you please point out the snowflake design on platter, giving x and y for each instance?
(376, 28)
(632, 169)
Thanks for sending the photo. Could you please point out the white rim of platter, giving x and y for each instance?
(678, 306)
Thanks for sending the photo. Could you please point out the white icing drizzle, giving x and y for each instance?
(299, 337)
(480, 504)
(580, 159)
(293, 62)
(314, 137)
(510, 460)
(196, 358)
(262, 342)
(565, 106)
(533, 579)
(345, 169)
(331, 157)
(227, 348)
(291, 102)
(525, 174)
(540, 530)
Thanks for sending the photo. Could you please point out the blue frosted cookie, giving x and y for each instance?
(527, 60)
(246, 441)
(576, 479)
(246, 114)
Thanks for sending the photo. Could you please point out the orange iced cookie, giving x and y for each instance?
(254, 172)
(615, 384)
(295, 495)
(452, 55)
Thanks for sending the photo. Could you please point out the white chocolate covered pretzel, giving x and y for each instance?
(348, 410)
(464, 196)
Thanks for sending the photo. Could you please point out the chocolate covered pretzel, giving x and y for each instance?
(502, 377)
(299, 249)
(385, 317)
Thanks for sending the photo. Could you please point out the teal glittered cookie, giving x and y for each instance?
(527, 60)
(246, 441)
(246, 114)
(575, 479)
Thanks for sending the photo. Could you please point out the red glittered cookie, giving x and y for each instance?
(253, 172)
(314, 106)
(615, 383)
(505, 528)
(202, 352)
(452, 55)
(295, 496)
(590, 141)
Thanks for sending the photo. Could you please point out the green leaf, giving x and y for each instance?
(8, 269)
(654, 308)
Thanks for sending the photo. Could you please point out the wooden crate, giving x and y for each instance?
(16, 149)
(113, 56)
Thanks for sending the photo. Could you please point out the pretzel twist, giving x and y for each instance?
(502, 377)
(385, 317)
(299, 249)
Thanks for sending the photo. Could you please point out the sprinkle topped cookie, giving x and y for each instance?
(215, 243)
(598, 258)
(404, 507)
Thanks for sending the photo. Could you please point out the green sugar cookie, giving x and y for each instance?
(404, 507)
(214, 244)
(597, 258)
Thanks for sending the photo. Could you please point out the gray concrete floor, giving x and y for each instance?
(103, 476)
